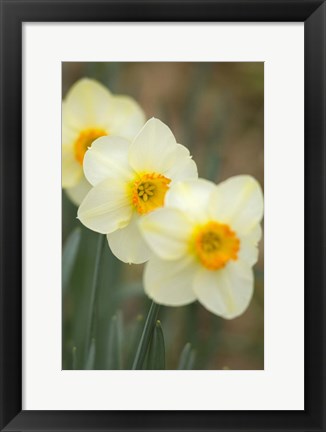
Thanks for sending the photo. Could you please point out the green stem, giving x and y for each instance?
(91, 318)
(146, 336)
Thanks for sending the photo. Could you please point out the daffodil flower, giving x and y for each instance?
(130, 180)
(90, 111)
(205, 243)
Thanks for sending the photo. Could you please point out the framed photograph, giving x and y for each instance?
(162, 224)
(226, 142)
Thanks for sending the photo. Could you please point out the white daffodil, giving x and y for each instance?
(205, 243)
(90, 111)
(130, 180)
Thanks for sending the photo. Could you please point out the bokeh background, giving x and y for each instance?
(217, 111)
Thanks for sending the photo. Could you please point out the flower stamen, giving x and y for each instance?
(148, 192)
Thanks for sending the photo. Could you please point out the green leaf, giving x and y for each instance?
(145, 362)
(107, 302)
(114, 354)
(187, 358)
(69, 255)
(92, 304)
(146, 336)
(90, 361)
(156, 352)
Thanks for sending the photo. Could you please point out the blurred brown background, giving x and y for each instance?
(217, 111)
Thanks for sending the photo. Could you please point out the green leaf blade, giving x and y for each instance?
(114, 353)
(146, 336)
(90, 361)
(187, 358)
(69, 256)
(156, 353)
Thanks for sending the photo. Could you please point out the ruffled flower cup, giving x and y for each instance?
(130, 180)
(90, 111)
(205, 243)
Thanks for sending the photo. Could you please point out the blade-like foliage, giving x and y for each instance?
(187, 358)
(69, 255)
(114, 352)
(156, 353)
(90, 361)
(146, 336)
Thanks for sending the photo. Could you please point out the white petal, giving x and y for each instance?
(169, 282)
(225, 292)
(167, 232)
(128, 245)
(70, 126)
(152, 147)
(248, 246)
(107, 158)
(87, 104)
(77, 193)
(239, 202)
(182, 167)
(72, 171)
(191, 197)
(106, 207)
(127, 117)
(69, 135)
(255, 234)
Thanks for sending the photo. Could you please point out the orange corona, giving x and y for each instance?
(215, 244)
(85, 140)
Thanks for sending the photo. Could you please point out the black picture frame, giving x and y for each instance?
(16, 12)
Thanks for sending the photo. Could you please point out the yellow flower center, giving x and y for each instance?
(85, 140)
(148, 192)
(215, 244)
